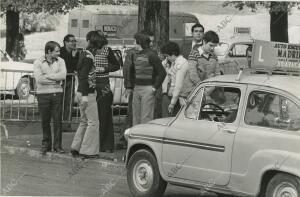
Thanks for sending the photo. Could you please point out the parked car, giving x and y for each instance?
(16, 77)
(17, 80)
(236, 135)
(232, 54)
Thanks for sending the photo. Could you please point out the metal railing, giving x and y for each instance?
(19, 103)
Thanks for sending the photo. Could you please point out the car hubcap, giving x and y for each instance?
(285, 190)
(24, 88)
(143, 175)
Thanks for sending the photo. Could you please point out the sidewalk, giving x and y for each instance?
(26, 138)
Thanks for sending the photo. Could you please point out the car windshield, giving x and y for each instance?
(221, 49)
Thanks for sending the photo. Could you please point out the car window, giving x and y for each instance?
(238, 50)
(273, 111)
(118, 55)
(193, 108)
(220, 104)
(221, 49)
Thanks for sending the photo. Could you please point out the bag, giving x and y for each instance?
(92, 73)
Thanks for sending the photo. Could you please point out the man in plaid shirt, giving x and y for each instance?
(203, 63)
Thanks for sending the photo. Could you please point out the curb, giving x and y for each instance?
(111, 165)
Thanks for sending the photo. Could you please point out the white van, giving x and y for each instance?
(120, 24)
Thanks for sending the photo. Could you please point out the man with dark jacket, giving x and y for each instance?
(144, 76)
(69, 53)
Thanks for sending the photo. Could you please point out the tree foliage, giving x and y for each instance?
(255, 5)
(278, 10)
(37, 6)
(13, 8)
(110, 2)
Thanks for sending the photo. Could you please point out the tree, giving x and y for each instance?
(12, 9)
(278, 15)
(154, 17)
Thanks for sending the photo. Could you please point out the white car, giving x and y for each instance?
(16, 78)
(232, 55)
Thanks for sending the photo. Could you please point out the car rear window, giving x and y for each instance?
(273, 111)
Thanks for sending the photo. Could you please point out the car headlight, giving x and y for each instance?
(126, 134)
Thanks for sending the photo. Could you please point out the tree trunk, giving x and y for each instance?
(279, 21)
(12, 29)
(154, 17)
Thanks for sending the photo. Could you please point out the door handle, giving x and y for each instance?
(229, 130)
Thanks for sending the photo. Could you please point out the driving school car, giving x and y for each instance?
(236, 135)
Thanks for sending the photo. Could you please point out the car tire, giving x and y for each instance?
(24, 86)
(282, 184)
(143, 175)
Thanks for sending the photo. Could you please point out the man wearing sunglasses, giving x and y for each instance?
(69, 53)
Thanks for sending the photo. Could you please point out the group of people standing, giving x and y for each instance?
(145, 71)
(148, 75)
(95, 131)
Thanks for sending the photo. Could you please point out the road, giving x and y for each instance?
(24, 175)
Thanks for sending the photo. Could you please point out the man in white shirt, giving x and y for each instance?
(197, 33)
(172, 85)
(49, 72)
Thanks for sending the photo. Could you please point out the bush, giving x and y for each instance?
(38, 23)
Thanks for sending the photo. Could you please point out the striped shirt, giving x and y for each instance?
(201, 67)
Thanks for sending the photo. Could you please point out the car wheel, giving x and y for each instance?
(283, 185)
(24, 87)
(143, 175)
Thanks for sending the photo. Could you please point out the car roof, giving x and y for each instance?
(283, 82)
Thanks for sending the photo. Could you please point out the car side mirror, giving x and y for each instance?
(230, 53)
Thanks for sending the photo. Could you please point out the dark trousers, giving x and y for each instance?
(129, 112)
(104, 102)
(166, 100)
(68, 98)
(50, 106)
(158, 103)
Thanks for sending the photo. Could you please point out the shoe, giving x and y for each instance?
(74, 153)
(83, 156)
(59, 150)
(67, 130)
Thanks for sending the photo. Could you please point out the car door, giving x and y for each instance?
(198, 144)
(237, 52)
(267, 135)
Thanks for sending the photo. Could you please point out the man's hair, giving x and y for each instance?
(211, 36)
(143, 40)
(67, 38)
(197, 25)
(50, 46)
(171, 48)
(96, 41)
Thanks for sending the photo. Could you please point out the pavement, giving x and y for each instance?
(25, 138)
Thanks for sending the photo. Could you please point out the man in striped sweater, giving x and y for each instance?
(203, 63)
